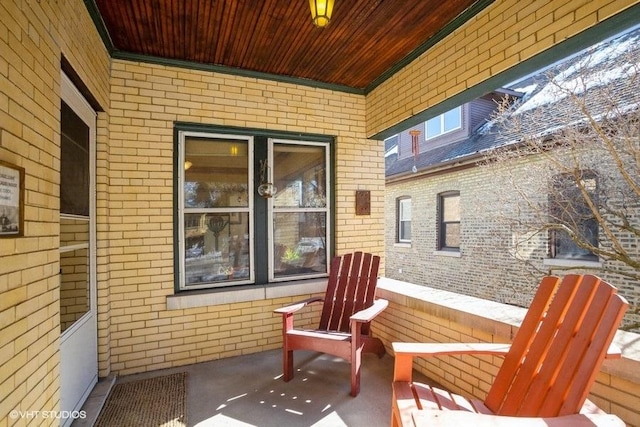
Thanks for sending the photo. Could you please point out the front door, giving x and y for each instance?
(78, 338)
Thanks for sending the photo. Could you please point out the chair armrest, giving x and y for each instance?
(449, 349)
(404, 353)
(614, 352)
(297, 306)
(368, 314)
(433, 418)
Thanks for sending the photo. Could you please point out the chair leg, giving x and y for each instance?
(287, 364)
(356, 364)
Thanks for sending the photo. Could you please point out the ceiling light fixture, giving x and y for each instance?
(321, 12)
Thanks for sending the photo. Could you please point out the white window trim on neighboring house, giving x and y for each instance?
(404, 216)
(443, 222)
(441, 120)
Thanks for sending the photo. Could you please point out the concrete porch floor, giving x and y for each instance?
(248, 391)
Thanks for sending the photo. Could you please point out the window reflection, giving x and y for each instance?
(217, 247)
(299, 175)
(74, 269)
(300, 210)
(216, 216)
(299, 243)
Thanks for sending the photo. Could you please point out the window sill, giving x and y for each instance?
(402, 245)
(575, 263)
(453, 254)
(213, 297)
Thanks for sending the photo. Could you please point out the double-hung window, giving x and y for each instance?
(404, 220)
(230, 233)
(444, 123)
(449, 221)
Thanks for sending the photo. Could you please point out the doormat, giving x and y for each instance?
(160, 401)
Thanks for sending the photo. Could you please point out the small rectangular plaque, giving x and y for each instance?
(363, 202)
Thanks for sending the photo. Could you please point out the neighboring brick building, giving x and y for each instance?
(445, 212)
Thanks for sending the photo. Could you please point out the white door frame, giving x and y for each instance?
(79, 343)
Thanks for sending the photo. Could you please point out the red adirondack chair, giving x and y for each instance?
(348, 309)
(547, 371)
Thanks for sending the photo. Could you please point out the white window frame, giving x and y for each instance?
(441, 119)
(402, 208)
(271, 210)
(181, 209)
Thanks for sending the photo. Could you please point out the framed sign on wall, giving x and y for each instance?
(11, 200)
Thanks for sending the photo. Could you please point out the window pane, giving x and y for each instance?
(216, 173)
(451, 207)
(405, 210)
(569, 207)
(452, 119)
(74, 231)
(74, 267)
(74, 164)
(451, 235)
(299, 243)
(299, 173)
(74, 286)
(216, 247)
(434, 127)
(405, 230)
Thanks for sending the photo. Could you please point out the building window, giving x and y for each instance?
(404, 220)
(444, 123)
(449, 221)
(568, 208)
(299, 211)
(227, 234)
(215, 210)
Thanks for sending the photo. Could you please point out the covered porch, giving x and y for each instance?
(140, 316)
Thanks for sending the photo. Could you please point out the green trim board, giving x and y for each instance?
(92, 8)
(236, 130)
(599, 32)
(233, 71)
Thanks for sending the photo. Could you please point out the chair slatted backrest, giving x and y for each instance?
(351, 288)
(559, 348)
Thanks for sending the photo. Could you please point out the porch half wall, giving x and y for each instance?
(422, 314)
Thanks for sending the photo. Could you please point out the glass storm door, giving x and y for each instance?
(78, 329)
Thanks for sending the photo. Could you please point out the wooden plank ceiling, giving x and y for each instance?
(364, 40)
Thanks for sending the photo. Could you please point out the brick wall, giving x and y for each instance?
(489, 265)
(146, 100)
(134, 178)
(33, 36)
(501, 36)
